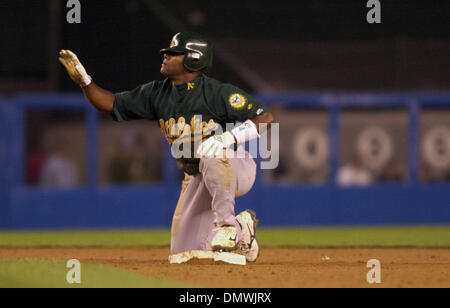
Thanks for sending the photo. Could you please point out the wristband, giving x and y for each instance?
(86, 82)
(85, 78)
(245, 132)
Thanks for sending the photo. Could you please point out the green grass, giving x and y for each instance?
(418, 236)
(86, 238)
(31, 273)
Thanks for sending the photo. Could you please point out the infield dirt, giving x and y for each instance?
(276, 267)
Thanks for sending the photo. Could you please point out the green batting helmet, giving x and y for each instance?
(197, 48)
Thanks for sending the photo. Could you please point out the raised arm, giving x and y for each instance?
(101, 99)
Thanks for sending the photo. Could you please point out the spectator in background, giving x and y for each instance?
(119, 165)
(354, 174)
(134, 161)
(429, 175)
(425, 174)
(143, 167)
(390, 173)
(59, 171)
(35, 163)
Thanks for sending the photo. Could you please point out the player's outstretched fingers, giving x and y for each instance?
(68, 57)
(71, 54)
(63, 62)
(63, 59)
(72, 58)
(63, 53)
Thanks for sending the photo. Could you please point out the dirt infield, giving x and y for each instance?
(276, 267)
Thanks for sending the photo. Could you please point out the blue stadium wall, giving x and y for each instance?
(128, 206)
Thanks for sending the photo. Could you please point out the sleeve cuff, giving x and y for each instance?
(116, 116)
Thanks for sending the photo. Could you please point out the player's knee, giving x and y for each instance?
(217, 170)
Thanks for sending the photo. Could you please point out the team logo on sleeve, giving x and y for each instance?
(237, 101)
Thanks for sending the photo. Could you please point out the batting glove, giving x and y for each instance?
(75, 69)
(214, 146)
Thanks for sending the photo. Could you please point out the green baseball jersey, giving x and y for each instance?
(188, 112)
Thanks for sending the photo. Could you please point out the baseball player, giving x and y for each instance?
(192, 110)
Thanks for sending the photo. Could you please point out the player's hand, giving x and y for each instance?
(214, 146)
(74, 68)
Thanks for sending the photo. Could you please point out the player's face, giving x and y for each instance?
(172, 65)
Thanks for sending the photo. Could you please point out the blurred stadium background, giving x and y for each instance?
(364, 111)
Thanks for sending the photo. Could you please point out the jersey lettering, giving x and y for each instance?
(178, 130)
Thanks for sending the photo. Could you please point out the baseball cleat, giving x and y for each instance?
(225, 239)
(249, 245)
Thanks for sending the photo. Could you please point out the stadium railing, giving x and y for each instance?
(95, 206)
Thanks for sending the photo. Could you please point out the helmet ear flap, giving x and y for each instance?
(192, 61)
(195, 56)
